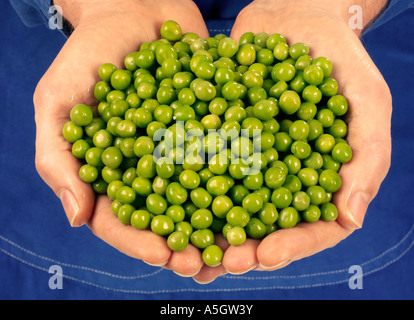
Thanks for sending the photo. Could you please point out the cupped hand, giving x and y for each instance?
(324, 28)
(105, 31)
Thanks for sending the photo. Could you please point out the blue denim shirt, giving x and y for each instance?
(36, 12)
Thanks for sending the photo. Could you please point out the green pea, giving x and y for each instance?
(212, 255)
(162, 225)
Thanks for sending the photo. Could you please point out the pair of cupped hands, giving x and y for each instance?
(106, 31)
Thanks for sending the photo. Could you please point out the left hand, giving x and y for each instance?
(327, 33)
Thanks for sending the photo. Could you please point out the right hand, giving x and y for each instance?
(105, 31)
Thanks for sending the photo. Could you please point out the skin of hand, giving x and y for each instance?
(323, 26)
(105, 31)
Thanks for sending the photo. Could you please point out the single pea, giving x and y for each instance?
(329, 87)
(202, 238)
(256, 229)
(217, 186)
(205, 90)
(236, 236)
(265, 110)
(176, 213)
(162, 225)
(218, 106)
(142, 186)
(274, 39)
(338, 104)
(189, 179)
(292, 183)
(72, 132)
(88, 173)
(312, 214)
(315, 129)
(293, 163)
(311, 93)
(112, 157)
(177, 241)
(283, 71)
(176, 194)
(342, 153)
(238, 216)
(185, 227)
(105, 71)
(159, 185)
(301, 149)
(274, 177)
(79, 148)
(289, 102)
(94, 156)
(145, 58)
(326, 117)
(268, 214)
(146, 167)
(126, 194)
(201, 219)
(253, 181)
(314, 161)
(329, 212)
(325, 143)
(246, 55)
(313, 74)
(288, 218)
(338, 129)
(221, 206)
(298, 49)
(281, 51)
(165, 168)
(300, 200)
(101, 91)
(252, 203)
(308, 177)
(141, 219)
(330, 163)
(212, 255)
(299, 130)
(330, 180)
(156, 204)
(282, 197)
(325, 64)
(317, 194)
(201, 198)
(81, 115)
(227, 47)
(125, 213)
(283, 142)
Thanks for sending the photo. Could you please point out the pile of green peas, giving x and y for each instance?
(198, 137)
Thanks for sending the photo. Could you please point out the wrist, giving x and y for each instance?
(341, 10)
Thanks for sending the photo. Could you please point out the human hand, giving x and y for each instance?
(323, 25)
(105, 31)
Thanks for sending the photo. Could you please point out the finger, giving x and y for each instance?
(60, 170)
(241, 259)
(139, 244)
(282, 247)
(209, 274)
(186, 263)
(370, 139)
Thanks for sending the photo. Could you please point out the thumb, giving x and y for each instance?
(56, 165)
(371, 146)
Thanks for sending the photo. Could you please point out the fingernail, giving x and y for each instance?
(356, 208)
(278, 266)
(70, 205)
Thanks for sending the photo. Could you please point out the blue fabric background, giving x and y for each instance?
(35, 235)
